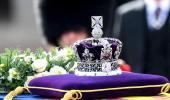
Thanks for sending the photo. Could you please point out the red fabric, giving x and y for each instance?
(126, 67)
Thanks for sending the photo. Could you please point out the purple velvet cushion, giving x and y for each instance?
(71, 81)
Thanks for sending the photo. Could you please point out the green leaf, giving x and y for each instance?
(28, 52)
(40, 53)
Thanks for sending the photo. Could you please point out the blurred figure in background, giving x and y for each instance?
(66, 21)
(5, 10)
(144, 28)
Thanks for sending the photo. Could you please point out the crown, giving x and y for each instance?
(97, 56)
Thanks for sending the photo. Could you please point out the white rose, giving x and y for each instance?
(13, 74)
(39, 65)
(56, 70)
(42, 74)
(18, 56)
(9, 78)
(29, 58)
(62, 55)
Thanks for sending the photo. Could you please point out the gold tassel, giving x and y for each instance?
(72, 95)
(165, 89)
(165, 94)
(14, 93)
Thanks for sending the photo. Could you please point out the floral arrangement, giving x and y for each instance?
(18, 67)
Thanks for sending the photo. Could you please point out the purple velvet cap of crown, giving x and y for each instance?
(96, 49)
(71, 81)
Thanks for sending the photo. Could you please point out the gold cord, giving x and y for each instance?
(165, 89)
(14, 93)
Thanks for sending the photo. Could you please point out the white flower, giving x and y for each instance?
(9, 78)
(29, 58)
(39, 65)
(62, 55)
(42, 74)
(13, 74)
(18, 56)
(56, 70)
(2, 77)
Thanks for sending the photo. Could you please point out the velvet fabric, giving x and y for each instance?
(95, 49)
(71, 81)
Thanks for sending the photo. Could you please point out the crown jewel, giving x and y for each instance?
(97, 56)
(97, 24)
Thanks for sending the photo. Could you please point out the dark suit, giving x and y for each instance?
(144, 49)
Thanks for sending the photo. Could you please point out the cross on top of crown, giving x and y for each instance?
(97, 21)
(97, 24)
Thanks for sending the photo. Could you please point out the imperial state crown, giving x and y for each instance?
(97, 56)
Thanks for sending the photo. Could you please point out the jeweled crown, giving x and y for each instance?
(97, 56)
